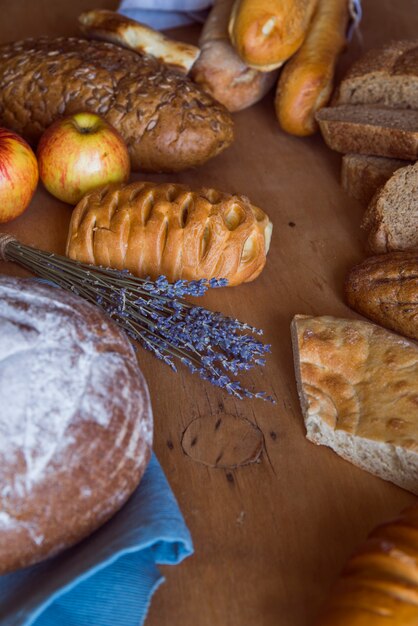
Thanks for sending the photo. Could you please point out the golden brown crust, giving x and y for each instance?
(122, 31)
(385, 289)
(379, 585)
(352, 372)
(153, 229)
(266, 33)
(167, 122)
(306, 81)
(77, 436)
(219, 69)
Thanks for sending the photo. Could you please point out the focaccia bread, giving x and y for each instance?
(167, 122)
(358, 388)
(379, 584)
(75, 421)
(152, 229)
(384, 288)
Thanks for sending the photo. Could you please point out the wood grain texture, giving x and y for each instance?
(270, 537)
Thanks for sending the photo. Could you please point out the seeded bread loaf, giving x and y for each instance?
(370, 130)
(391, 219)
(75, 421)
(167, 122)
(386, 76)
(363, 175)
(358, 388)
(384, 288)
(152, 229)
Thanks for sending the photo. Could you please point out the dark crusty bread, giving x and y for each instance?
(167, 121)
(370, 130)
(387, 76)
(362, 175)
(384, 288)
(392, 216)
(75, 421)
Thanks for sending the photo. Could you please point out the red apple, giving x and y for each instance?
(18, 175)
(79, 153)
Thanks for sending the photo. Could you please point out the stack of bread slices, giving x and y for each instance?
(373, 121)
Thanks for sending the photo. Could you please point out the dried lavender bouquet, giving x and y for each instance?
(155, 314)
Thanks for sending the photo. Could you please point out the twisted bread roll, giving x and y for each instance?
(152, 229)
(379, 586)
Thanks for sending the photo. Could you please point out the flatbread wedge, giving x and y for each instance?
(358, 388)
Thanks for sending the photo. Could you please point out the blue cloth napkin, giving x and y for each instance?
(162, 14)
(109, 578)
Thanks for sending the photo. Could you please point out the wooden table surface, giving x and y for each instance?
(271, 536)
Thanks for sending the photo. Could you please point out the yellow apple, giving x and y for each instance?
(80, 152)
(18, 175)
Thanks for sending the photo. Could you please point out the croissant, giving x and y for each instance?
(152, 229)
(379, 586)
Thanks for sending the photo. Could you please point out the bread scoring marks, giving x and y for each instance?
(223, 441)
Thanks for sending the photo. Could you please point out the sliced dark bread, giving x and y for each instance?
(386, 76)
(370, 130)
(392, 217)
(362, 175)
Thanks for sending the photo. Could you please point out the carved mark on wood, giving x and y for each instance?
(222, 441)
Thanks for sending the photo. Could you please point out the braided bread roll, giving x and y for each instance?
(152, 229)
(379, 586)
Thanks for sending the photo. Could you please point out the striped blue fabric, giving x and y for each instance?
(108, 579)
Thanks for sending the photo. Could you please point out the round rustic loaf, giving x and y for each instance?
(75, 421)
(167, 122)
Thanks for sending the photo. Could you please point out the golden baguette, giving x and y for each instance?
(219, 69)
(306, 81)
(266, 33)
(121, 30)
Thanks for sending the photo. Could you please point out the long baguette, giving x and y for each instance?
(121, 30)
(306, 81)
(219, 69)
(266, 33)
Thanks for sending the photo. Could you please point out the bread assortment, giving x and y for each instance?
(384, 288)
(167, 122)
(378, 586)
(306, 82)
(169, 229)
(350, 374)
(75, 421)
(123, 31)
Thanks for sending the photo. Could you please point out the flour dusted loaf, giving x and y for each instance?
(379, 585)
(75, 421)
(167, 122)
(152, 229)
(358, 388)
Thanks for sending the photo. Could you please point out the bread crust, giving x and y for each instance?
(384, 288)
(369, 130)
(358, 387)
(378, 586)
(153, 229)
(75, 419)
(122, 31)
(306, 82)
(167, 122)
(220, 70)
(266, 33)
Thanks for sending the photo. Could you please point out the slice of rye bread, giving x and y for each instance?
(370, 130)
(386, 76)
(392, 216)
(362, 175)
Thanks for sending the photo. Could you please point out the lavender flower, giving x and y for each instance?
(157, 315)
